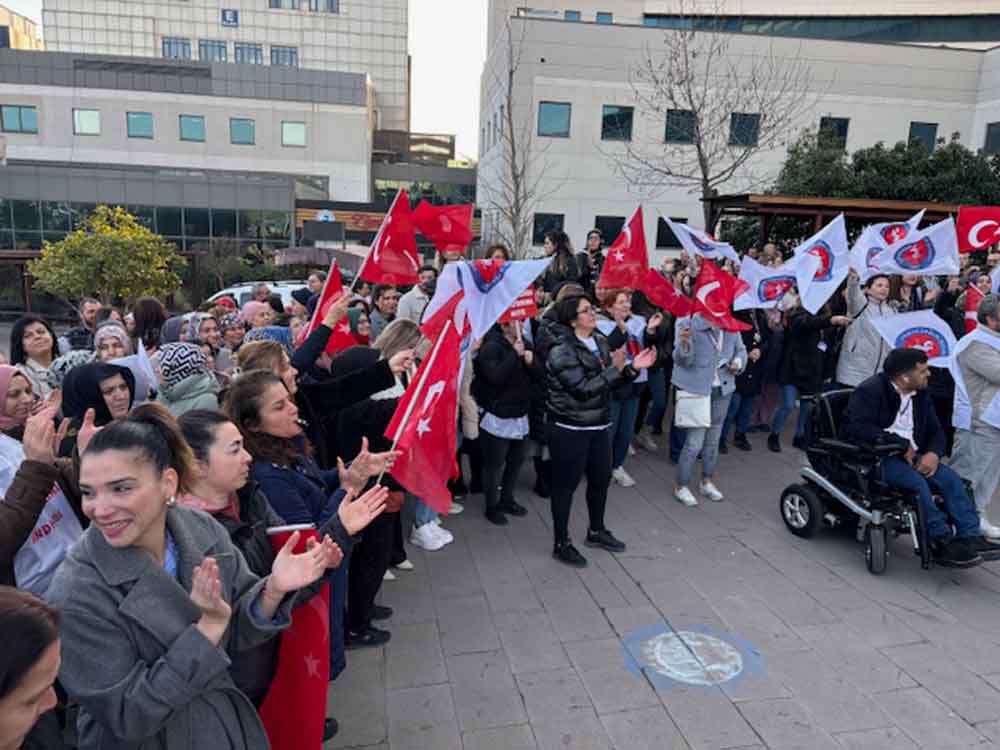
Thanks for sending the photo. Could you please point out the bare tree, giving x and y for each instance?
(514, 187)
(724, 100)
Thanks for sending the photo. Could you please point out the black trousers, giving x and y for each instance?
(502, 459)
(369, 561)
(575, 453)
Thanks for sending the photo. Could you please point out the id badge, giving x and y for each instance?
(822, 346)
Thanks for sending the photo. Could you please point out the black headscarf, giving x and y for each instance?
(82, 390)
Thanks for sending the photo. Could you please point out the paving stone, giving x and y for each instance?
(927, 721)
(484, 692)
(677, 597)
(707, 718)
(574, 614)
(512, 597)
(554, 694)
(357, 699)
(625, 620)
(888, 738)
(518, 737)
(413, 656)
(643, 729)
(530, 642)
(879, 629)
(860, 664)
(611, 685)
(783, 723)
(421, 718)
(581, 732)
(466, 625)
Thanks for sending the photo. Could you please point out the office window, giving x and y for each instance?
(571, 15)
(610, 226)
(680, 126)
(992, 144)
(209, 51)
(604, 17)
(553, 119)
(241, 131)
(139, 124)
(248, 54)
(616, 123)
(325, 6)
(293, 134)
(285, 56)
(15, 119)
(924, 133)
(192, 128)
(86, 122)
(283, 4)
(665, 236)
(176, 48)
(743, 129)
(835, 128)
(169, 222)
(545, 223)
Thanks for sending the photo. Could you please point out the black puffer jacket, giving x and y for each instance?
(546, 332)
(502, 385)
(580, 384)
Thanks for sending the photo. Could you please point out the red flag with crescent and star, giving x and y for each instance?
(446, 226)
(627, 260)
(664, 295)
(341, 337)
(393, 257)
(978, 227)
(423, 427)
(714, 293)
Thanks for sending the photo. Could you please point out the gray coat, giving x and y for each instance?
(143, 674)
(695, 368)
(864, 350)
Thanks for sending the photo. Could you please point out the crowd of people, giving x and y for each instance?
(144, 457)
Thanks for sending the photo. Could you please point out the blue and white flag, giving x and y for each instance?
(700, 242)
(818, 283)
(877, 237)
(919, 330)
(926, 252)
(767, 285)
(995, 280)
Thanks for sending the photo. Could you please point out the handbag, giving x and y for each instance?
(692, 410)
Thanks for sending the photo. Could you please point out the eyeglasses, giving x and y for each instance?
(585, 311)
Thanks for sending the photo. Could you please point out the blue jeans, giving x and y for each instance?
(658, 400)
(740, 409)
(788, 395)
(422, 512)
(622, 426)
(704, 441)
(897, 472)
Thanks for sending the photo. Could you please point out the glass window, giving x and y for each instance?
(924, 133)
(27, 215)
(283, 4)
(241, 131)
(145, 215)
(992, 144)
(223, 222)
(665, 236)
(168, 221)
(6, 222)
(55, 217)
(274, 225)
(610, 226)
(545, 223)
(17, 119)
(553, 119)
(86, 122)
(293, 134)
(285, 56)
(325, 6)
(249, 224)
(80, 212)
(680, 126)
(139, 124)
(743, 129)
(249, 54)
(192, 128)
(176, 48)
(616, 123)
(572, 15)
(605, 17)
(209, 51)
(835, 128)
(196, 222)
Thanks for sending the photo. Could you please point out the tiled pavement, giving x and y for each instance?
(497, 647)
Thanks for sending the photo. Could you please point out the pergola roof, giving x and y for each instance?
(751, 204)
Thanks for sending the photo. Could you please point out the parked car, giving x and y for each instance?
(243, 293)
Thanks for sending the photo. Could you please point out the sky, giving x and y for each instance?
(447, 48)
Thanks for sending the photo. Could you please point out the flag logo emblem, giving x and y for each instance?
(774, 288)
(916, 256)
(486, 274)
(822, 251)
(926, 339)
(895, 233)
(870, 257)
(701, 244)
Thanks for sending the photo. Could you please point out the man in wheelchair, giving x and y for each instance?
(894, 406)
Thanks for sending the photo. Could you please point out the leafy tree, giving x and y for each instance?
(111, 257)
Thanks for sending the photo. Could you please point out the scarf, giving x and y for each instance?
(7, 373)
(180, 361)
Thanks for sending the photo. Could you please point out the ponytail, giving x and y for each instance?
(152, 432)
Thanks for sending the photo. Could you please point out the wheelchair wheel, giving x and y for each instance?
(876, 554)
(801, 510)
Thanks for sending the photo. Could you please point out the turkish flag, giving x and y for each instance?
(294, 710)
(627, 261)
(453, 310)
(341, 337)
(714, 293)
(423, 428)
(664, 295)
(446, 226)
(978, 227)
(972, 299)
(393, 257)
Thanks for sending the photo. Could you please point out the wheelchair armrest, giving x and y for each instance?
(885, 450)
(840, 446)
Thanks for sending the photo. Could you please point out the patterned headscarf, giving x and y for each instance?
(232, 320)
(181, 360)
(61, 365)
(113, 330)
(281, 334)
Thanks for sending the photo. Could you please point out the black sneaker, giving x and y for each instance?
(568, 554)
(496, 516)
(957, 553)
(380, 612)
(330, 729)
(513, 508)
(605, 540)
(800, 443)
(984, 544)
(723, 446)
(773, 443)
(367, 638)
(741, 442)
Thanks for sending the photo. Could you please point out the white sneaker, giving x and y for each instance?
(710, 491)
(442, 532)
(426, 537)
(389, 576)
(631, 450)
(684, 496)
(988, 530)
(405, 565)
(455, 508)
(643, 440)
(622, 477)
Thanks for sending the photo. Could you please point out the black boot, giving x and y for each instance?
(774, 443)
(543, 469)
(723, 446)
(475, 465)
(741, 442)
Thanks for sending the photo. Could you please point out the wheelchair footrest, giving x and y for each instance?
(990, 555)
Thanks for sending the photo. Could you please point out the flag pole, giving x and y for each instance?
(420, 384)
(357, 276)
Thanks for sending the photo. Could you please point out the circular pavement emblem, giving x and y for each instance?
(692, 658)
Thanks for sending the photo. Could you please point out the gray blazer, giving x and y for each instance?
(695, 368)
(144, 676)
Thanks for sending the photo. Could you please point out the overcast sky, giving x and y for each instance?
(447, 44)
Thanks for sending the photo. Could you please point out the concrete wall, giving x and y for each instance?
(23, 31)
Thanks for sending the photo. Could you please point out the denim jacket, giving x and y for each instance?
(695, 368)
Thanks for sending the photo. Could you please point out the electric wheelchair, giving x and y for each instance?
(842, 486)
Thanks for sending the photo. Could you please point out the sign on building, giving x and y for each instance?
(230, 17)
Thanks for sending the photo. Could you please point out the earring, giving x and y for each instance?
(172, 501)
